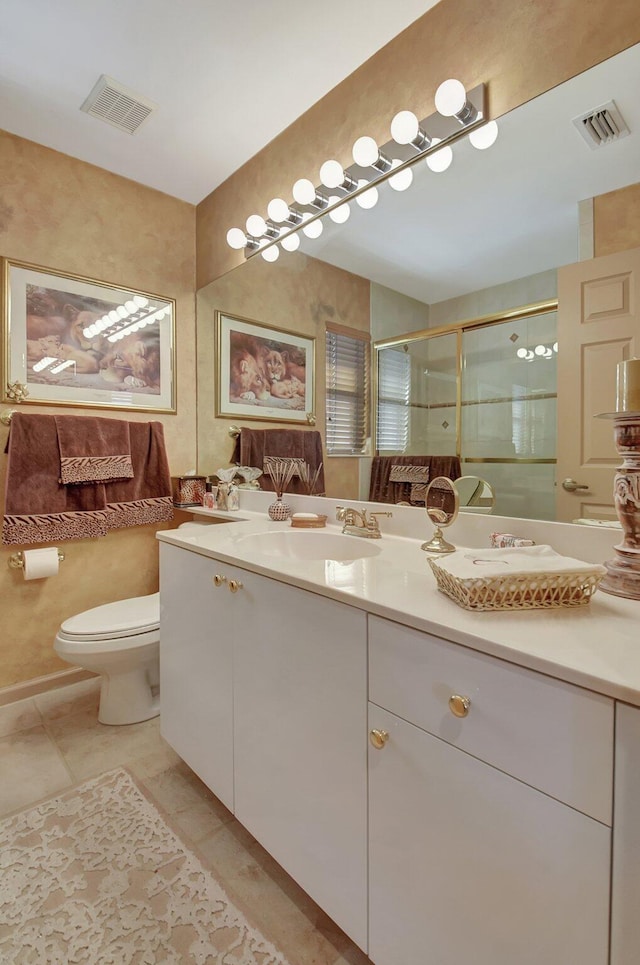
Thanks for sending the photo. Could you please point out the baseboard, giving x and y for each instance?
(38, 685)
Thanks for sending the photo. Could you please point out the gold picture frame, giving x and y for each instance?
(76, 341)
(263, 372)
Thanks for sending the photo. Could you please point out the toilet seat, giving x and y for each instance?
(136, 617)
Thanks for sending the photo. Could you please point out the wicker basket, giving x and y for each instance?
(533, 591)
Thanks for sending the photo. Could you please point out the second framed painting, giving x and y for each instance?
(263, 372)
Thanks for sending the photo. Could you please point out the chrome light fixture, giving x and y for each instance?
(459, 113)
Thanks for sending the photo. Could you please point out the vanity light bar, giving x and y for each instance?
(460, 113)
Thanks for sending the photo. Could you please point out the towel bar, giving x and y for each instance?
(234, 432)
(16, 560)
(5, 417)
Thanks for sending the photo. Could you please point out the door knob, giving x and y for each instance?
(572, 486)
(378, 738)
(219, 580)
(235, 585)
(459, 706)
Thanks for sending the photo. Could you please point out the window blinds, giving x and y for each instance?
(347, 398)
(394, 386)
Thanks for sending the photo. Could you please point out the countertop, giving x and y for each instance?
(596, 646)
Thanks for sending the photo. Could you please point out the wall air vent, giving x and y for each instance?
(602, 126)
(117, 105)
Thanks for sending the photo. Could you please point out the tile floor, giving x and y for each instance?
(54, 741)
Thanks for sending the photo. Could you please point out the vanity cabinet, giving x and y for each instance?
(287, 669)
(466, 861)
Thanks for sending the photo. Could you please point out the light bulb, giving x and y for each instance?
(313, 229)
(402, 180)
(304, 192)
(256, 225)
(140, 301)
(122, 311)
(278, 210)
(341, 213)
(522, 353)
(539, 350)
(365, 152)
(450, 97)
(555, 346)
(332, 174)
(113, 316)
(131, 305)
(368, 199)
(404, 127)
(271, 254)
(483, 137)
(291, 242)
(236, 238)
(440, 160)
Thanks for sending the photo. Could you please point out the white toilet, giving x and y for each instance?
(121, 641)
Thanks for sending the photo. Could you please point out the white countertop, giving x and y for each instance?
(595, 646)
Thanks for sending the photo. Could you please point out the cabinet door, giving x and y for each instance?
(300, 710)
(196, 654)
(470, 865)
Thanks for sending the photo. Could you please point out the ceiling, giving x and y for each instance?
(228, 76)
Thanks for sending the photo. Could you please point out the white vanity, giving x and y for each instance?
(449, 786)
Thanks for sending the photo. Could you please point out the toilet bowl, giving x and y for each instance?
(120, 641)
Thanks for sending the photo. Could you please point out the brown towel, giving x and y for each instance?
(383, 490)
(38, 508)
(147, 497)
(93, 450)
(253, 445)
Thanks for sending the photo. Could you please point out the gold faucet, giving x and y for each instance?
(357, 523)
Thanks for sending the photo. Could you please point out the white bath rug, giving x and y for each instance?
(95, 876)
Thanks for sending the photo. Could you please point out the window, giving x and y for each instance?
(394, 386)
(347, 402)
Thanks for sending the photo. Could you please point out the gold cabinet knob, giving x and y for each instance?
(235, 585)
(378, 738)
(459, 706)
(219, 579)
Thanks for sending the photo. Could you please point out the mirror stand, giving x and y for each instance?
(437, 543)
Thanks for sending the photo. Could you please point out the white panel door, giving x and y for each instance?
(598, 326)
(467, 864)
(300, 712)
(625, 898)
(196, 651)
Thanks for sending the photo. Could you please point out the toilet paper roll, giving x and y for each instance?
(40, 563)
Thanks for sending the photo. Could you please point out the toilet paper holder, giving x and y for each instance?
(16, 560)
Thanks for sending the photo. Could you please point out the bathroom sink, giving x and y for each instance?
(309, 546)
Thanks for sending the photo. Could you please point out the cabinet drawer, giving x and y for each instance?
(547, 733)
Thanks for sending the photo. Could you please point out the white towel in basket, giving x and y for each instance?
(480, 564)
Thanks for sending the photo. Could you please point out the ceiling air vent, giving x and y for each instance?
(118, 106)
(602, 125)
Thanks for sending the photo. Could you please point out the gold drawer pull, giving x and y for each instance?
(219, 580)
(235, 585)
(378, 738)
(459, 706)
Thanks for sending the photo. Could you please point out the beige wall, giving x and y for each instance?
(519, 49)
(616, 221)
(61, 213)
(300, 294)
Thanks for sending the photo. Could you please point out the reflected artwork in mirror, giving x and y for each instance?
(480, 241)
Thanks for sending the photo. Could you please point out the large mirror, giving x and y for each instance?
(484, 238)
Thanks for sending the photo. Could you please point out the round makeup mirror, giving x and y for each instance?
(441, 503)
(476, 495)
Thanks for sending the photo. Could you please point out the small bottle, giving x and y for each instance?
(209, 500)
(233, 498)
